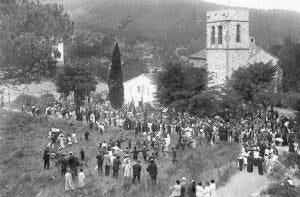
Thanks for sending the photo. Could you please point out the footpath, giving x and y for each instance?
(244, 184)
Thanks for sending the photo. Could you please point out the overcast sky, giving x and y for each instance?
(262, 4)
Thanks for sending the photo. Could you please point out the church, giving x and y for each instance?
(230, 46)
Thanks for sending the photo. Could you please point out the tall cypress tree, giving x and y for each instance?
(115, 81)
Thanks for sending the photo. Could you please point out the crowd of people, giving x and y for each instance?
(158, 132)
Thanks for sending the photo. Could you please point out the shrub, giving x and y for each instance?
(25, 99)
(45, 100)
(279, 190)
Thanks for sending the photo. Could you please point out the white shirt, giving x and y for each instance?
(212, 190)
(256, 154)
(199, 191)
(176, 190)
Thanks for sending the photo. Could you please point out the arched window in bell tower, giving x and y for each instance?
(213, 35)
(238, 33)
(220, 34)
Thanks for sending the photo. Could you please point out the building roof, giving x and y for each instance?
(254, 50)
(151, 76)
(201, 55)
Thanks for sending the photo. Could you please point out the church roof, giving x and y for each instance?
(254, 50)
(199, 55)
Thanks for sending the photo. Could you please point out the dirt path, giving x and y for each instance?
(244, 184)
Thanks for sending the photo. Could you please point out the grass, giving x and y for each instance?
(24, 139)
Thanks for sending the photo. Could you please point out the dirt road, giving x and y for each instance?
(244, 184)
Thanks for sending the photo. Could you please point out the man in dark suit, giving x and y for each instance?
(136, 168)
(152, 170)
(46, 158)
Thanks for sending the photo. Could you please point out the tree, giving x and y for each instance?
(115, 80)
(77, 79)
(169, 83)
(29, 32)
(248, 81)
(255, 84)
(289, 55)
(184, 88)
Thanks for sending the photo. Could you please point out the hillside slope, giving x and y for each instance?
(174, 22)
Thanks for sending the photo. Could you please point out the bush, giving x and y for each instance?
(25, 99)
(45, 100)
(279, 190)
(290, 159)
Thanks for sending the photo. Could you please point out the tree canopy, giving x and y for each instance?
(115, 80)
(289, 55)
(30, 31)
(254, 83)
(77, 79)
(184, 88)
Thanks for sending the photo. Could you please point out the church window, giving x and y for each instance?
(213, 35)
(220, 34)
(139, 89)
(238, 33)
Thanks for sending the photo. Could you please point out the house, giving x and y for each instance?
(230, 46)
(140, 89)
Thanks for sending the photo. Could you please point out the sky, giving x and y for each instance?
(262, 4)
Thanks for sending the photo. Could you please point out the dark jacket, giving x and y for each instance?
(116, 164)
(182, 191)
(136, 168)
(99, 159)
(152, 169)
(191, 191)
(46, 155)
(135, 154)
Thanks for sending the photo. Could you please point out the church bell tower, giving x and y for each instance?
(227, 33)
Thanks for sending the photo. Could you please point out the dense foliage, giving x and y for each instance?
(75, 78)
(184, 88)
(254, 83)
(29, 32)
(289, 55)
(115, 80)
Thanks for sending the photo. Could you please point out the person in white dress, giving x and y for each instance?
(61, 141)
(199, 190)
(206, 190)
(74, 138)
(69, 182)
(212, 188)
(81, 178)
(127, 169)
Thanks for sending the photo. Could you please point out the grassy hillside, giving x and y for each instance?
(174, 22)
(23, 140)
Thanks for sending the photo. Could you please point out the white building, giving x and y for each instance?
(229, 45)
(140, 89)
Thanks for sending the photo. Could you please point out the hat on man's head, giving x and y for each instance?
(183, 178)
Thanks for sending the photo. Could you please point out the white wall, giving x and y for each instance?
(138, 88)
